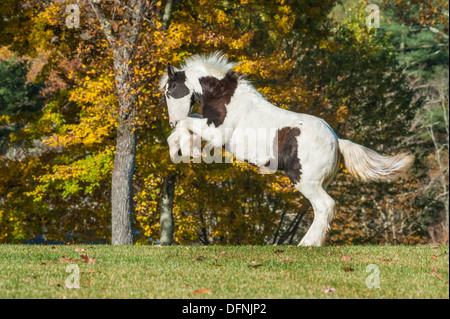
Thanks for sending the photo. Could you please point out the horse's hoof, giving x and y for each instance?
(308, 243)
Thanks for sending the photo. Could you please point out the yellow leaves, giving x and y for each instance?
(44, 24)
(88, 171)
(4, 119)
(221, 17)
(342, 114)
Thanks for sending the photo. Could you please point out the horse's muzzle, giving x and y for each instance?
(173, 124)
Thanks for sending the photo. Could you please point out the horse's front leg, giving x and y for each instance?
(183, 145)
(215, 136)
(174, 146)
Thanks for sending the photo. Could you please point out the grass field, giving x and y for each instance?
(28, 271)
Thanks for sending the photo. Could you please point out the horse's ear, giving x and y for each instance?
(170, 71)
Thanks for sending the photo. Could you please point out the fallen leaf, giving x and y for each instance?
(87, 260)
(27, 279)
(278, 251)
(251, 247)
(46, 262)
(288, 261)
(434, 272)
(79, 250)
(346, 258)
(216, 263)
(347, 269)
(223, 252)
(54, 247)
(385, 259)
(199, 258)
(327, 290)
(202, 291)
(254, 265)
(65, 259)
(88, 272)
(319, 268)
(434, 257)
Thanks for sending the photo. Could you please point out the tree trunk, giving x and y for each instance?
(167, 14)
(123, 44)
(168, 186)
(166, 209)
(123, 171)
(121, 188)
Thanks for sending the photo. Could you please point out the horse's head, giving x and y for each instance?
(179, 95)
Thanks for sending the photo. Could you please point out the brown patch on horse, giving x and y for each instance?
(216, 95)
(286, 141)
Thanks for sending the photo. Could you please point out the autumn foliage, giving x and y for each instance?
(55, 175)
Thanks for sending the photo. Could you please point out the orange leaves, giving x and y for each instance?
(87, 259)
(65, 259)
(199, 258)
(346, 258)
(342, 114)
(202, 291)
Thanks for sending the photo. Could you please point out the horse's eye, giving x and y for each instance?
(168, 94)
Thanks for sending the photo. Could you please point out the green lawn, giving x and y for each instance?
(225, 272)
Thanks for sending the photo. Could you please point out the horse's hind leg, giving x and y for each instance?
(323, 206)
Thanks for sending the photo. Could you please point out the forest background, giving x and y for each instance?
(383, 87)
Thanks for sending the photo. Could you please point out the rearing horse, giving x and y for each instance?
(303, 146)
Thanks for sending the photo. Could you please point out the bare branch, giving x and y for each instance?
(167, 14)
(104, 22)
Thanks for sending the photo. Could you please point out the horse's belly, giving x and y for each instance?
(254, 145)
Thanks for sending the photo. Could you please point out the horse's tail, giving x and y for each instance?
(369, 165)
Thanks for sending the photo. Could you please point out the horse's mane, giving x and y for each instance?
(214, 64)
